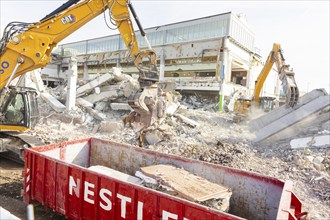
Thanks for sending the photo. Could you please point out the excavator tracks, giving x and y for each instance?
(12, 145)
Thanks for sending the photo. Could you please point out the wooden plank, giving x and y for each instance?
(186, 184)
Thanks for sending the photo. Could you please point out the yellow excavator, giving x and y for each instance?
(28, 46)
(286, 75)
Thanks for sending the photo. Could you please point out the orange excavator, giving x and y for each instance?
(286, 75)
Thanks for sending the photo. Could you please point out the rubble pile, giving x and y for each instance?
(195, 130)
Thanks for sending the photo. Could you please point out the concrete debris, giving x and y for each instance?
(153, 137)
(102, 106)
(276, 114)
(186, 120)
(192, 128)
(68, 118)
(83, 103)
(317, 141)
(97, 115)
(120, 106)
(93, 98)
(284, 122)
(53, 102)
(110, 126)
(172, 108)
(94, 83)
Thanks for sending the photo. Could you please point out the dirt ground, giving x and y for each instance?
(11, 184)
(217, 139)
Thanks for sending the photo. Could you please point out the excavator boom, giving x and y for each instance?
(27, 46)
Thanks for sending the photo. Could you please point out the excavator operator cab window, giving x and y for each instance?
(14, 111)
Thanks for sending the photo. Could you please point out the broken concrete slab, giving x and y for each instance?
(102, 106)
(153, 137)
(120, 106)
(277, 113)
(84, 103)
(53, 102)
(317, 141)
(94, 83)
(93, 98)
(97, 115)
(326, 126)
(110, 126)
(172, 108)
(67, 118)
(284, 123)
(308, 126)
(186, 120)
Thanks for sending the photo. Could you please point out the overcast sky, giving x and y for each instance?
(301, 27)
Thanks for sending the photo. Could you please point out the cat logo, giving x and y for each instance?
(68, 19)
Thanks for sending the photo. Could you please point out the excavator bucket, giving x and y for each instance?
(149, 106)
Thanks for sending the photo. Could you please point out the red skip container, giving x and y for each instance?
(57, 177)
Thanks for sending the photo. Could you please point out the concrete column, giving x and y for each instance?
(85, 71)
(72, 84)
(162, 65)
(222, 69)
(118, 61)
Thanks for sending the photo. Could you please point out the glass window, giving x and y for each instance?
(14, 112)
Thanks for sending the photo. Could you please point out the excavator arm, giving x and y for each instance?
(28, 46)
(286, 75)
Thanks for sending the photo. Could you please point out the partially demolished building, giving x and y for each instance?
(216, 54)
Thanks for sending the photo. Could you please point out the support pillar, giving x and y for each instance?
(72, 84)
(162, 65)
(222, 69)
(85, 71)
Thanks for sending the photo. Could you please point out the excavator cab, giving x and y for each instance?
(19, 109)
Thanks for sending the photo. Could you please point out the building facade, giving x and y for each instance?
(214, 54)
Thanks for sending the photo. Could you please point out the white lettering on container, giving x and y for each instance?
(105, 202)
(140, 211)
(74, 186)
(108, 205)
(88, 192)
(124, 199)
(167, 215)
